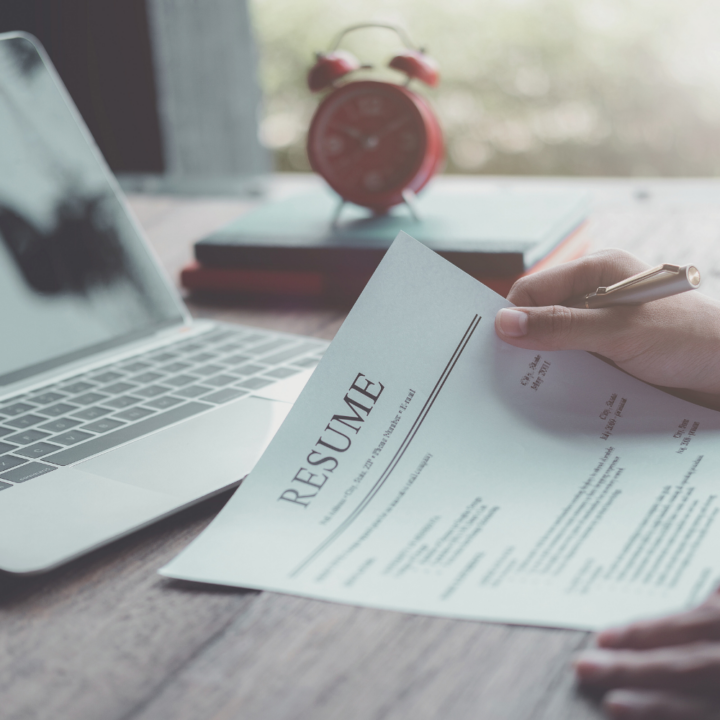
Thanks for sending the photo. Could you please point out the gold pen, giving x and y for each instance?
(653, 284)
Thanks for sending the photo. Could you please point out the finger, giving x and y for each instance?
(604, 331)
(578, 277)
(701, 623)
(686, 668)
(658, 705)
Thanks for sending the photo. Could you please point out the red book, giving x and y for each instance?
(342, 287)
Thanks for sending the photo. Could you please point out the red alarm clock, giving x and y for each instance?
(375, 143)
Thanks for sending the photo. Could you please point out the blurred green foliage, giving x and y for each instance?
(552, 87)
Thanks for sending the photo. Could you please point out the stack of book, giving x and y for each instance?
(292, 247)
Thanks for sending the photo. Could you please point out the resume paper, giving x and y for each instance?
(428, 467)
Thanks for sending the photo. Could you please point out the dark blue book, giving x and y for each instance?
(487, 233)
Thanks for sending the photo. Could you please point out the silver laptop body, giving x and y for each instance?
(116, 409)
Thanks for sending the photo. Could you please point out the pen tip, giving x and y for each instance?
(693, 275)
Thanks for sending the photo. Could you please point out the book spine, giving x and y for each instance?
(260, 283)
(347, 285)
(337, 258)
(272, 283)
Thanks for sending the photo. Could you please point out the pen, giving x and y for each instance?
(653, 284)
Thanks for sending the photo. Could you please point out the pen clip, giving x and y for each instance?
(640, 277)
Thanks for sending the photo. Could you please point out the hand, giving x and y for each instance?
(667, 669)
(674, 342)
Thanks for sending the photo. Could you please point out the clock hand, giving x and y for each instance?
(391, 128)
(352, 132)
(367, 142)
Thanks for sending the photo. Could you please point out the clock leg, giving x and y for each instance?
(410, 199)
(336, 214)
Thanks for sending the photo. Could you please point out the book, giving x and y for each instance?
(495, 232)
(341, 286)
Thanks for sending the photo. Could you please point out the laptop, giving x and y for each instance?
(116, 409)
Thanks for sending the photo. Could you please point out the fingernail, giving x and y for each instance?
(609, 637)
(513, 323)
(625, 700)
(593, 665)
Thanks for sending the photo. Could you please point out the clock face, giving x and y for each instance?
(372, 140)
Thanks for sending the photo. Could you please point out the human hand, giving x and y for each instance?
(673, 342)
(667, 669)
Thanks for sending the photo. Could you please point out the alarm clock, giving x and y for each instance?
(375, 143)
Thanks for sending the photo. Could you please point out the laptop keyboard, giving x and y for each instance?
(79, 417)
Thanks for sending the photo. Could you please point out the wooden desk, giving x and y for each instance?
(106, 638)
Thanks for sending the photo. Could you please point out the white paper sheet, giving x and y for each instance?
(429, 467)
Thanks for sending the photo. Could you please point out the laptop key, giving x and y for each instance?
(230, 347)
(254, 383)
(123, 401)
(250, 369)
(6, 447)
(59, 409)
(89, 398)
(163, 357)
(8, 462)
(135, 413)
(307, 362)
(225, 395)
(175, 367)
(125, 434)
(47, 398)
(221, 380)
(104, 425)
(180, 380)
(107, 377)
(270, 346)
(28, 471)
(193, 391)
(91, 413)
(148, 377)
(282, 372)
(208, 369)
(78, 387)
(152, 391)
(5, 486)
(71, 437)
(201, 357)
(135, 366)
(119, 387)
(16, 409)
(286, 355)
(26, 437)
(164, 402)
(25, 421)
(6, 431)
(254, 338)
(237, 359)
(38, 450)
(59, 425)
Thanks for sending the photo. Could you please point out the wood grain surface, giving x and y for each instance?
(106, 638)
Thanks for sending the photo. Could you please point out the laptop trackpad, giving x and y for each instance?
(57, 516)
(199, 456)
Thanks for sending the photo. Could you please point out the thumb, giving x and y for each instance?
(556, 327)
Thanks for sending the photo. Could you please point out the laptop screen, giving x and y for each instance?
(75, 275)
